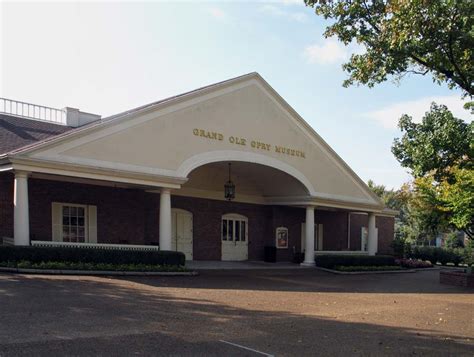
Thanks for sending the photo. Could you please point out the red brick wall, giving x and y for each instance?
(132, 216)
(456, 278)
(6, 205)
(291, 218)
(334, 229)
(207, 216)
(385, 225)
(121, 213)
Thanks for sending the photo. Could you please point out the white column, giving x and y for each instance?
(165, 219)
(21, 215)
(309, 237)
(372, 235)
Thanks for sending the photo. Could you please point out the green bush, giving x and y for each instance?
(94, 266)
(367, 268)
(400, 247)
(330, 261)
(439, 255)
(89, 255)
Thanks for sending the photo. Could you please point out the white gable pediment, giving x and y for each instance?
(242, 119)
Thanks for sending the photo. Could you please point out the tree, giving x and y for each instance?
(437, 144)
(457, 200)
(402, 37)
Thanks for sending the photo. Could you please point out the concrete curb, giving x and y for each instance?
(97, 272)
(366, 272)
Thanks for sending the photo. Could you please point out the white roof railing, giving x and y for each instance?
(32, 111)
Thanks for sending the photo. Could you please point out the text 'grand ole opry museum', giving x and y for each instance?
(218, 173)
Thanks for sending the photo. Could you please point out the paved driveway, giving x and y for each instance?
(225, 313)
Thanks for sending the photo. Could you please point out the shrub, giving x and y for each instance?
(94, 266)
(441, 255)
(400, 247)
(413, 263)
(89, 255)
(330, 261)
(367, 268)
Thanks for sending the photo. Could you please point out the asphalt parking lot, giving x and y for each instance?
(227, 313)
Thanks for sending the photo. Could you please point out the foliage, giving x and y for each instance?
(439, 255)
(435, 145)
(402, 37)
(24, 264)
(451, 203)
(401, 247)
(456, 200)
(451, 241)
(89, 255)
(331, 260)
(414, 263)
(367, 268)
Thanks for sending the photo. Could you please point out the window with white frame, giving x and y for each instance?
(234, 228)
(74, 223)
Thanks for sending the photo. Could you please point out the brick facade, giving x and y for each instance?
(131, 216)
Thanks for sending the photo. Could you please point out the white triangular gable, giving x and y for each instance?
(242, 119)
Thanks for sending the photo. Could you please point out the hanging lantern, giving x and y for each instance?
(229, 189)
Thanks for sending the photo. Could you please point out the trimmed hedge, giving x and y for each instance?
(89, 255)
(436, 254)
(330, 261)
(365, 268)
(93, 266)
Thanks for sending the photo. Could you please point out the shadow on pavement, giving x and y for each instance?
(309, 280)
(88, 316)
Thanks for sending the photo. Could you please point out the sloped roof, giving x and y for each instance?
(16, 132)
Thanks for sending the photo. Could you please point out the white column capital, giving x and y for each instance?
(22, 174)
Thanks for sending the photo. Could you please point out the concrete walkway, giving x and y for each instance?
(219, 265)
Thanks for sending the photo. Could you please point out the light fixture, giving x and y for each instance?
(229, 189)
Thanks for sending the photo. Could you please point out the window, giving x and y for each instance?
(74, 223)
(234, 228)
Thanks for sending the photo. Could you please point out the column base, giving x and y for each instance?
(308, 264)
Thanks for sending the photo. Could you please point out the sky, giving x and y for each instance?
(107, 57)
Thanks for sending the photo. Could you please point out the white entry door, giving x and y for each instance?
(234, 237)
(182, 232)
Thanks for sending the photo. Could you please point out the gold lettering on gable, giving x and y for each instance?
(255, 144)
(208, 134)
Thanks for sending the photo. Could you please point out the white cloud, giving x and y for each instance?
(299, 16)
(272, 10)
(389, 115)
(217, 13)
(278, 12)
(329, 52)
(284, 2)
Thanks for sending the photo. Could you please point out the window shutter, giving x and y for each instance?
(56, 219)
(92, 224)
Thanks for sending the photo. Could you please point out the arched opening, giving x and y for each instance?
(255, 183)
(241, 228)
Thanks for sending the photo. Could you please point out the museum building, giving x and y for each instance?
(218, 173)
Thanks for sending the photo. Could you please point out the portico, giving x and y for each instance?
(155, 175)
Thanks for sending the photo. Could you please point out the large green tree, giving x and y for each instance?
(439, 152)
(440, 142)
(405, 36)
